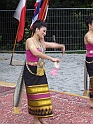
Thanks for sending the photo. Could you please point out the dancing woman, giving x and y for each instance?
(39, 102)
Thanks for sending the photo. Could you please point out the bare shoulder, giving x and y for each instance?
(85, 38)
(88, 38)
(29, 43)
(29, 40)
(86, 35)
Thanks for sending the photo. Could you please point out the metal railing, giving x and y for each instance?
(67, 24)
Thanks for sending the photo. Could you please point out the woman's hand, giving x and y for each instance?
(55, 60)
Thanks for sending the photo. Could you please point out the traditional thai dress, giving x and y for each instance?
(38, 95)
(89, 65)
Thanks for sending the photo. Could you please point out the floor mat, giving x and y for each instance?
(68, 109)
(5, 90)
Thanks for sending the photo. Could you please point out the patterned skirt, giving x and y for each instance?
(89, 66)
(38, 95)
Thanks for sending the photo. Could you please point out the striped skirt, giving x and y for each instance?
(89, 66)
(38, 95)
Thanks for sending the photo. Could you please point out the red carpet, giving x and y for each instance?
(68, 109)
(4, 89)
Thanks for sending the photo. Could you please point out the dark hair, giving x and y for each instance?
(38, 24)
(89, 20)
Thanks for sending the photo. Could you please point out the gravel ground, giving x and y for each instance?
(70, 76)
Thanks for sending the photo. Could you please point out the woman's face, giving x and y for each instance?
(42, 32)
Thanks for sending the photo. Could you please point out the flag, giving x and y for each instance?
(20, 15)
(41, 9)
(36, 11)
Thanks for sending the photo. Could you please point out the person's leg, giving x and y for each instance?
(36, 120)
(91, 91)
(42, 121)
(39, 121)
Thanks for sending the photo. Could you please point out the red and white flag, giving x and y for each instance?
(20, 15)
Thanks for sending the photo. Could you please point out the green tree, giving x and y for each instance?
(12, 4)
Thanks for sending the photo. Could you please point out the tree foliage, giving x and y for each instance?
(71, 3)
(12, 4)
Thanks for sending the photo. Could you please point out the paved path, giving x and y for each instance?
(67, 108)
(70, 76)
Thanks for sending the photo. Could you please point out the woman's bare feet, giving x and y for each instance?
(90, 102)
(36, 121)
(42, 121)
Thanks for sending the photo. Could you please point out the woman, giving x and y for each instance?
(39, 102)
(88, 40)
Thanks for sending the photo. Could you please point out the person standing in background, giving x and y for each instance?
(88, 41)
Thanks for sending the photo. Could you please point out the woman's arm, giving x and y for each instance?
(55, 45)
(30, 45)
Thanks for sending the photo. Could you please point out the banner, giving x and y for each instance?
(20, 15)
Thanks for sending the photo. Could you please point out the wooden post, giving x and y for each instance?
(14, 47)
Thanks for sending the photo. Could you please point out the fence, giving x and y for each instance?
(67, 24)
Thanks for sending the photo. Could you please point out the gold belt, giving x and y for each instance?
(40, 71)
(31, 63)
(89, 62)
